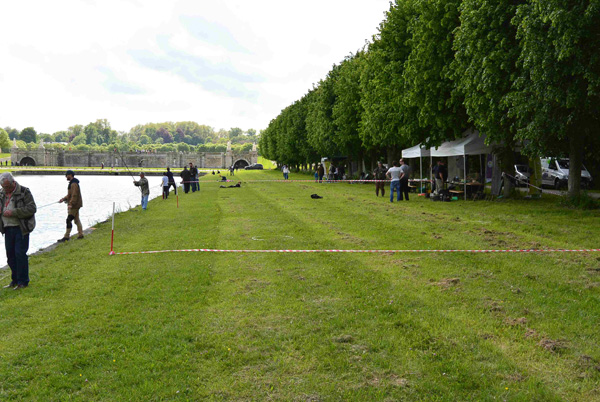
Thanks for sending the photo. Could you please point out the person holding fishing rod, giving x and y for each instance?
(74, 203)
(142, 183)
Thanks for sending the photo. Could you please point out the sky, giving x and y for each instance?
(228, 63)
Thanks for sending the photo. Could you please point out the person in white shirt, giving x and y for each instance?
(394, 173)
(286, 172)
(165, 184)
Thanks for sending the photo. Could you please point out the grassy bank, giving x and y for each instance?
(311, 327)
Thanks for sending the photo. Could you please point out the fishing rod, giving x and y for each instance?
(127, 167)
(47, 205)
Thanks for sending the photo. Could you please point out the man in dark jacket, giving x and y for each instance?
(171, 180)
(186, 177)
(379, 174)
(74, 204)
(18, 220)
(321, 172)
(194, 175)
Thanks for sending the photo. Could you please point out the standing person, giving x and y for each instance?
(194, 175)
(440, 175)
(231, 171)
(321, 172)
(380, 175)
(404, 175)
(142, 183)
(331, 172)
(186, 177)
(165, 186)
(74, 203)
(18, 220)
(286, 172)
(171, 180)
(394, 173)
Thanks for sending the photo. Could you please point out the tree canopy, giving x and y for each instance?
(522, 72)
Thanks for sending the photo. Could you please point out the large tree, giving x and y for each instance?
(347, 110)
(485, 69)
(434, 112)
(558, 94)
(320, 126)
(382, 83)
(28, 135)
(4, 139)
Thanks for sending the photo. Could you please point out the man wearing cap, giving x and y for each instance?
(142, 183)
(74, 203)
(17, 209)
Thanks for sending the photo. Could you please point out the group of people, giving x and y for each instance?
(190, 178)
(399, 174)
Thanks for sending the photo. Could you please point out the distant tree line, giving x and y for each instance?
(162, 137)
(523, 72)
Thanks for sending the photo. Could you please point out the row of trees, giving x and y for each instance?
(520, 71)
(168, 136)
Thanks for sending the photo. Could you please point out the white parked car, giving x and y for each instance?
(555, 173)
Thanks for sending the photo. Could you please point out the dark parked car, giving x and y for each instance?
(254, 166)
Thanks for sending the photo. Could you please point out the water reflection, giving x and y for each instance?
(98, 193)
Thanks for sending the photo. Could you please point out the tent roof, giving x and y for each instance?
(415, 152)
(472, 144)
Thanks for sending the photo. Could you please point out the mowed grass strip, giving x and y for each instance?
(200, 326)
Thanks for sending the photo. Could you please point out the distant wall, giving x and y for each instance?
(43, 157)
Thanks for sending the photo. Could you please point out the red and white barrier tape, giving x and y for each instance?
(209, 250)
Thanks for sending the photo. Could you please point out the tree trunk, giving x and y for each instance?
(575, 163)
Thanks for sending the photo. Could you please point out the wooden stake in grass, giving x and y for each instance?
(112, 234)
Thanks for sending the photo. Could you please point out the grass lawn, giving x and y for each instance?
(311, 327)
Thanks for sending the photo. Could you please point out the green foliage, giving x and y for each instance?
(321, 129)
(347, 110)
(28, 135)
(557, 101)
(79, 140)
(144, 139)
(485, 65)
(382, 83)
(13, 133)
(581, 201)
(183, 147)
(435, 111)
(4, 140)
(235, 132)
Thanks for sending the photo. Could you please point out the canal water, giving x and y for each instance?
(98, 193)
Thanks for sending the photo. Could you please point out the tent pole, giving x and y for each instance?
(431, 171)
(421, 174)
(465, 173)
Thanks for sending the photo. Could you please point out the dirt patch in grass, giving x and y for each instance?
(493, 306)
(515, 322)
(448, 283)
(343, 339)
(397, 381)
(531, 333)
(553, 345)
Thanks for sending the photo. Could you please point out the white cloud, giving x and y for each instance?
(226, 64)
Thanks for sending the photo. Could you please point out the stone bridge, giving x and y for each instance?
(50, 157)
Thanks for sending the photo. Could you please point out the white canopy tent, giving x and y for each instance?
(471, 144)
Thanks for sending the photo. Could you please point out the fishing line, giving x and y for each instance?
(127, 167)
